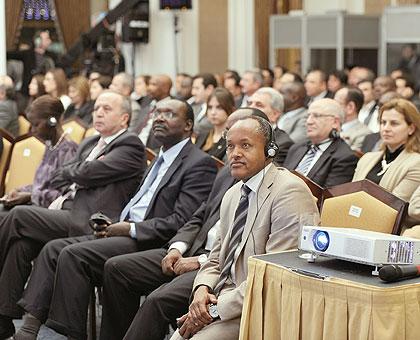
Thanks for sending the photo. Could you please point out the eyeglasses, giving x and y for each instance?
(164, 114)
(315, 115)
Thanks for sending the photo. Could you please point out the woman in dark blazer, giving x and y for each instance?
(219, 106)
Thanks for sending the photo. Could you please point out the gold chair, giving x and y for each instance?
(5, 157)
(25, 158)
(150, 155)
(219, 164)
(362, 205)
(316, 190)
(24, 125)
(75, 129)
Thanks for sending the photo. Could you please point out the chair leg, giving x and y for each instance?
(92, 317)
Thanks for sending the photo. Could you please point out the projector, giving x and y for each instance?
(362, 246)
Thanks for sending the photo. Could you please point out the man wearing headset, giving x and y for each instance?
(258, 215)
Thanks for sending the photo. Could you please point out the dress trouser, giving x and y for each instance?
(78, 266)
(23, 232)
(130, 276)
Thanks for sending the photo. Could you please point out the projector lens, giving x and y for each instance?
(321, 240)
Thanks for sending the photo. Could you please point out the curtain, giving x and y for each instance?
(13, 21)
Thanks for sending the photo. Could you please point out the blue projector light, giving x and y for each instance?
(321, 240)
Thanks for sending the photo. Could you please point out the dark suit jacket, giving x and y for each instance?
(107, 183)
(183, 188)
(370, 142)
(335, 166)
(194, 233)
(284, 142)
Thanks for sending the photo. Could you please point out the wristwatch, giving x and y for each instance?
(213, 311)
(202, 259)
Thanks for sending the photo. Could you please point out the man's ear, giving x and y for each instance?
(189, 125)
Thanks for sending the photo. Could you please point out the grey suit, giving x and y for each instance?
(294, 124)
(9, 117)
(355, 135)
(105, 186)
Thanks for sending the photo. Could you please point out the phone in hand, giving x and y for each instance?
(99, 221)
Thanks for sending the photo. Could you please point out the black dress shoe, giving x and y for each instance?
(7, 328)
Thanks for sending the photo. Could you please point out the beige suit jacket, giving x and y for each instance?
(355, 136)
(414, 207)
(273, 226)
(402, 177)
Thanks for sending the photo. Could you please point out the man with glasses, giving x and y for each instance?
(326, 159)
(175, 185)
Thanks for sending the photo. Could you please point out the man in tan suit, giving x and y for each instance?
(258, 215)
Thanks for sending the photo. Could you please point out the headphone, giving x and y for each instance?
(334, 134)
(271, 148)
(52, 122)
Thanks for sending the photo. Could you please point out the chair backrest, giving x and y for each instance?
(26, 156)
(90, 132)
(219, 164)
(150, 155)
(316, 190)
(24, 125)
(5, 157)
(363, 205)
(75, 129)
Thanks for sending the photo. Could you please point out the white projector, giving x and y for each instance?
(356, 245)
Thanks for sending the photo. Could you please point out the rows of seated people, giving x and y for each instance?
(175, 231)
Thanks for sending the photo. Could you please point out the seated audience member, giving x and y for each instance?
(268, 77)
(220, 285)
(359, 73)
(177, 183)
(219, 106)
(159, 91)
(140, 94)
(98, 85)
(232, 84)
(203, 86)
(183, 86)
(44, 114)
(163, 271)
(287, 77)
(369, 102)
(352, 130)
(316, 86)
(94, 181)
(293, 120)
(81, 106)
(271, 103)
(381, 85)
(396, 167)
(55, 83)
(123, 83)
(8, 106)
(36, 87)
(326, 158)
(407, 89)
(336, 80)
(251, 81)
(278, 71)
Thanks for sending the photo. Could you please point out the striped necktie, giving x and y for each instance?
(235, 237)
(306, 161)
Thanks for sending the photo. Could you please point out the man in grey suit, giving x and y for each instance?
(175, 185)
(258, 215)
(8, 107)
(352, 131)
(293, 120)
(326, 158)
(102, 177)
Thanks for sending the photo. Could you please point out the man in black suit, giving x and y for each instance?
(95, 180)
(271, 103)
(316, 86)
(176, 184)
(326, 159)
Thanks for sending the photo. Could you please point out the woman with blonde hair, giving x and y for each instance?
(396, 167)
(81, 106)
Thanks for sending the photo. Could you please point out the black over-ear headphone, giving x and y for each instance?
(271, 148)
(52, 122)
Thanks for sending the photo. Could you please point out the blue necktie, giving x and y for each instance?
(238, 226)
(306, 161)
(151, 177)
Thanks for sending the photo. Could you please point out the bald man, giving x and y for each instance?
(159, 89)
(326, 158)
